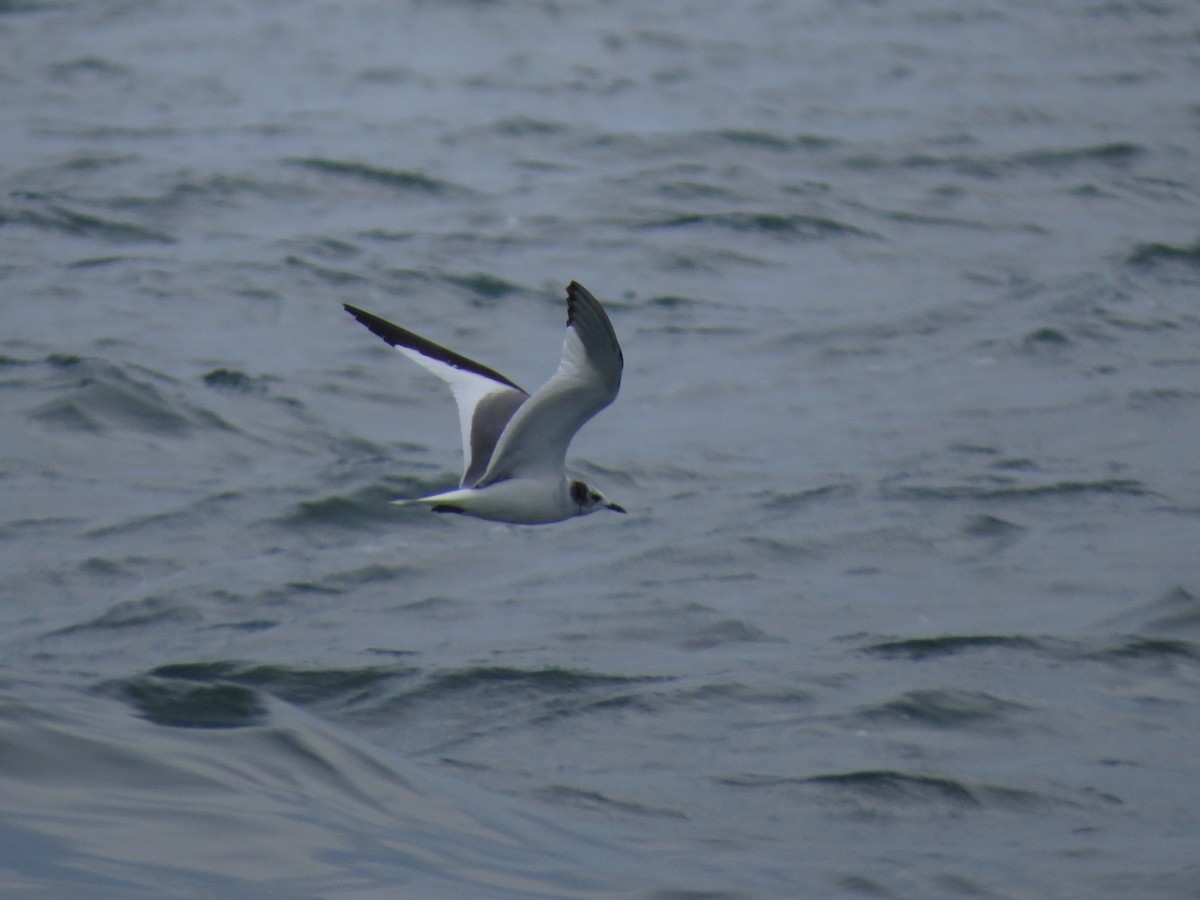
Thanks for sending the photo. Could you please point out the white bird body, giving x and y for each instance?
(515, 444)
(522, 501)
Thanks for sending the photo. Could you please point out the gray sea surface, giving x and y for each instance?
(907, 602)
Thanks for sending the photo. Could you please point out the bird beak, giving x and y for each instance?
(616, 508)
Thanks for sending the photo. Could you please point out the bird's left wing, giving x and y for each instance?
(535, 440)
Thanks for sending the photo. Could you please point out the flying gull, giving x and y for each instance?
(514, 443)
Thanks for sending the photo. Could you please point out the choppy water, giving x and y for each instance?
(907, 604)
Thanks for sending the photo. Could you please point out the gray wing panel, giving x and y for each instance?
(492, 414)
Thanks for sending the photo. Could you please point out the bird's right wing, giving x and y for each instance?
(486, 399)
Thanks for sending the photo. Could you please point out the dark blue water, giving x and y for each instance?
(907, 603)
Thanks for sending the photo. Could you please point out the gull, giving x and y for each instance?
(514, 443)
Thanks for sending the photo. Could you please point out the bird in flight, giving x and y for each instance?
(515, 443)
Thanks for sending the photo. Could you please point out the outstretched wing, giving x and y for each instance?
(486, 399)
(587, 380)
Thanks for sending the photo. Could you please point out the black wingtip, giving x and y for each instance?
(573, 291)
(374, 324)
(578, 295)
(402, 337)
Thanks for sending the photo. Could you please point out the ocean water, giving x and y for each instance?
(907, 602)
